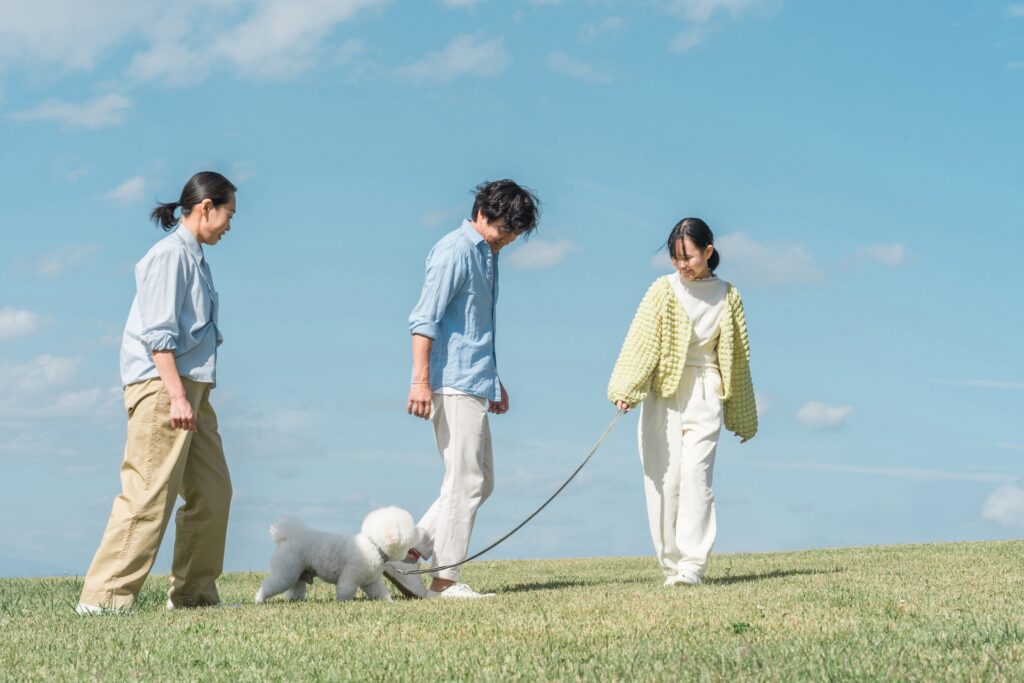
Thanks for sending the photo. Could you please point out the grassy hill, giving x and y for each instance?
(926, 612)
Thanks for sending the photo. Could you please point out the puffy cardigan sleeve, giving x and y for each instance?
(638, 359)
(740, 407)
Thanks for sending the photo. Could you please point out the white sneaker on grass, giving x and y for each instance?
(86, 610)
(683, 579)
(458, 590)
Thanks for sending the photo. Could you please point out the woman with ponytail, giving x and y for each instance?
(686, 358)
(168, 369)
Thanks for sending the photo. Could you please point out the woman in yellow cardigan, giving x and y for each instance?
(687, 359)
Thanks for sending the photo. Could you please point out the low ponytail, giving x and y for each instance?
(713, 259)
(163, 215)
(200, 187)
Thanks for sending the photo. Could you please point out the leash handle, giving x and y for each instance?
(523, 523)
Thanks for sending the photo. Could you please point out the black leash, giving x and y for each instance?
(572, 476)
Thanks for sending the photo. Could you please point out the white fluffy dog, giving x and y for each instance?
(349, 562)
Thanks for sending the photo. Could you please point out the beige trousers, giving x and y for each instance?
(463, 437)
(678, 440)
(160, 463)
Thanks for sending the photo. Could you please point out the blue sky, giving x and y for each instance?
(859, 162)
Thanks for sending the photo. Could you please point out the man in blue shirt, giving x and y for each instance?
(455, 380)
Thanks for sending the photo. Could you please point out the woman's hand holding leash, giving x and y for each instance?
(622, 406)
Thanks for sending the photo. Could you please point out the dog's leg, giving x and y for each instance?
(297, 592)
(345, 589)
(376, 590)
(273, 585)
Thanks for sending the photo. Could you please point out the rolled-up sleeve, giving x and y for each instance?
(447, 271)
(161, 290)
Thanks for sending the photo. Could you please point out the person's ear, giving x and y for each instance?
(207, 207)
(708, 251)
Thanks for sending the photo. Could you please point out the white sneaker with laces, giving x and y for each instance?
(458, 590)
(409, 585)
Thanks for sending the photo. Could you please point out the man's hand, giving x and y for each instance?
(742, 439)
(420, 397)
(181, 414)
(499, 407)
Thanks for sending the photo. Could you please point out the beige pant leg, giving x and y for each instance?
(201, 524)
(154, 461)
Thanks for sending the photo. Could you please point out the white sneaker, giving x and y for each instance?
(85, 610)
(409, 585)
(683, 579)
(458, 590)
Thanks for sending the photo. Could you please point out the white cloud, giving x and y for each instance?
(107, 110)
(439, 217)
(69, 33)
(283, 37)
(179, 43)
(686, 40)
(699, 13)
(70, 170)
(1014, 66)
(464, 56)
(242, 171)
(459, 3)
(1005, 507)
(539, 254)
(597, 29)
(17, 323)
(561, 63)
(1015, 10)
(767, 263)
(43, 389)
(816, 415)
(130, 191)
(893, 255)
(763, 403)
(917, 473)
(56, 262)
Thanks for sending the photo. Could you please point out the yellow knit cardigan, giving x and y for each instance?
(654, 353)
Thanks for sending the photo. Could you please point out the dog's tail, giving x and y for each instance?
(285, 528)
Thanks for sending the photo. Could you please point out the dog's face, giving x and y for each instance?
(393, 529)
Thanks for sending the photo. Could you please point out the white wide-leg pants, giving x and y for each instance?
(464, 441)
(678, 438)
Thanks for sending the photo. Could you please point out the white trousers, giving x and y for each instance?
(678, 438)
(464, 441)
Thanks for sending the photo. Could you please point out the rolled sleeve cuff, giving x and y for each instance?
(159, 341)
(424, 328)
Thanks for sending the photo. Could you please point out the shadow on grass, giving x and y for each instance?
(560, 584)
(570, 583)
(765, 576)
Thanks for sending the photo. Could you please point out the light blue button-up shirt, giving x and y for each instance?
(456, 310)
(175, 309)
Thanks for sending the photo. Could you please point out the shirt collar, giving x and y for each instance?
(474, 237)
(190, 242)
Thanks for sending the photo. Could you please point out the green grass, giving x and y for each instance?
(926, 612)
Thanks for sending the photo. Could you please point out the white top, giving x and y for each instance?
(704, 302)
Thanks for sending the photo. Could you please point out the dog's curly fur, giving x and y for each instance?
(349, 562)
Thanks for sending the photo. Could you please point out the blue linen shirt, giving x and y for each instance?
(456, 309)
(175, 309)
